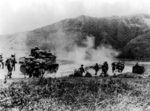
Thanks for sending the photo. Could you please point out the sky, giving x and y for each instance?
(25, 15)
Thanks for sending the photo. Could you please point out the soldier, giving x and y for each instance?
(113, 66)
(81, 69)
(105, 68)
(122, 65)
(13, 61)
(9, 65)
(119, 66)
(96, 67)
(1, 61)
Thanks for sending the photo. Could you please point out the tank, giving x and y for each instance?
(38, 62)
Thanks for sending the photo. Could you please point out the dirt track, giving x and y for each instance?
(64, 70)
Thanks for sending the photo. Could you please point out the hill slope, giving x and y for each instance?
(122, 33)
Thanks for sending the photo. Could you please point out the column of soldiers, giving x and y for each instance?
(116, 67)
(81, 70)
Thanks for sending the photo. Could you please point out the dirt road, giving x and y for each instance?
(64, 70)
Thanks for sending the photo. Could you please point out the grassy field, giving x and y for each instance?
(76, 94)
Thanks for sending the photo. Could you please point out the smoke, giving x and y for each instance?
(88, 55)
(60, 43)
(66, 48)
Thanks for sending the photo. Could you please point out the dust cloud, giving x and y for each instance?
(88, 55)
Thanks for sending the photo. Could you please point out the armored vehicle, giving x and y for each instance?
(138, 69)
(38, 62)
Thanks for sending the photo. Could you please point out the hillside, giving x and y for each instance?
(126, 34)
(138, 48)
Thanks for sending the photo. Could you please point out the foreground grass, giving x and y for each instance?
(76, 94)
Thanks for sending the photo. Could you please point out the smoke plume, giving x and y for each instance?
(66, 48)
(88, 55)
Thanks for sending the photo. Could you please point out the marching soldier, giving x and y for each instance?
(113, 66)
(1, 61)
(13, 61)
(105, 68)
(9, 65)
(81, 69)
(96, 67)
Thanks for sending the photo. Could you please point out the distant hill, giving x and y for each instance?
(138, 48)
(128, 34)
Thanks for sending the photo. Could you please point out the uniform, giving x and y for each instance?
(105, 68)
(81, 70)
(96, 67)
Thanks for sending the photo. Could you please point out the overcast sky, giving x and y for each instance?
(24, 15)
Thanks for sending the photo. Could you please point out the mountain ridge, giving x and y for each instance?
(116, 31)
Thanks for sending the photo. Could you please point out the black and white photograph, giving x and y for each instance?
(74, 55)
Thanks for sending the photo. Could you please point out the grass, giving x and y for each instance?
(77, 94)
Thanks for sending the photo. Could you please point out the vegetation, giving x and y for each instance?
(76, 94)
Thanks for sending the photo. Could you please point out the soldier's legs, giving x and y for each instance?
(14, 67)
(80, 73)
(2, 65)
(96, 72)
(9, 74)
(105, 72)
(113, 69)
(102, 74)
(121, 69)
